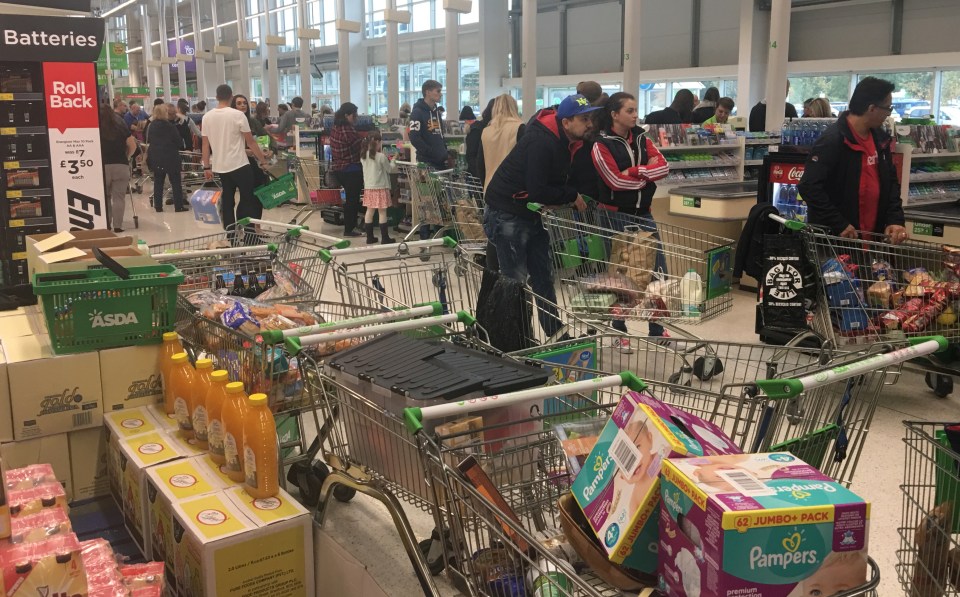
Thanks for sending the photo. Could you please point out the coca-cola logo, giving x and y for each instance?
(777, 172)
(795, 174)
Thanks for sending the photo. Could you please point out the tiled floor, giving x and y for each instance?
(366, 530)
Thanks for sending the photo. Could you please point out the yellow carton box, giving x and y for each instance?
(137, 454)
(88, 463)
(130, 377)
(168, 484)
(53, 449)
(229, 545)
(167, 422)
(189, 447)
(120, 425)
(6, 412)
(217, 471)
(51, 394)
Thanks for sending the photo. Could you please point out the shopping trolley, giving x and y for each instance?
(532, 476)
(869, 290)
(612, 266)
(464, 197)
(430, 207)
(928, 557)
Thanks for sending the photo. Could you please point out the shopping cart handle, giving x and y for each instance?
(415, 416)
(401, 314)
(535, 207)
(272, 248)
(295, 344)
(791, 224)
(778, 389)
(404, 247)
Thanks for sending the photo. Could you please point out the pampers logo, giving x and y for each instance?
(803, 490)
(792, 554)
(144, 388)
(672, 500)
(100, 320)
(600, 467)
(58, 403)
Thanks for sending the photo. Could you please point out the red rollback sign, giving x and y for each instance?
(786, 173)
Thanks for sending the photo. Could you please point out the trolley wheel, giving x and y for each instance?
(942, 385)
(432, 551)
(344, 494)
(681, 378)
(309, 480)
(706, 367)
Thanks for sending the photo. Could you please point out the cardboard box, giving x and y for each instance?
(6, 412)
(732, 524)
(229, 546)
(205, 208)
(16, 326)
(137, 454)
(88, 463)
(620, 495)
(130, 377)
(168, 484)
(53, 449)
(166, 422)
(188, 447)
(217, 471)
(338, 572)
(118, 426)
(51, 394)
(74, 259)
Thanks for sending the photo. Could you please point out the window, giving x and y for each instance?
(377, 89)
(473, 16)
(470, 84)
(286, 27)
(949, 112)
(912, 89)
(326, 89)
(424, 16)
(652, 97)
(321, 14)
(834, 88)
(289, 84)
(376, 26)
(254, 7)
(253, 33)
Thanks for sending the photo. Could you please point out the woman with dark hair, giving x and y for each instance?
(164, 145)
(116, 146)
(262, 114)
(473, 139)
(628, 164)
(678, 112)
(241, 103)
(345, 144)
(467, 115)
(707, 106)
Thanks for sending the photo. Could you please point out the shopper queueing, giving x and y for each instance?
(376, 186)
(707, 106)
(117, 145)
(226, 135)
(722, 112)
(849, 181)
(241, 103)
(163, 156)
(502, 133)
(536, 170)
(628, 164)
(426, 132)
(345, 144)
(678, 112)
(294, 117)
(758, 114)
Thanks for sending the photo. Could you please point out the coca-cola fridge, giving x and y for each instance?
(778, 182)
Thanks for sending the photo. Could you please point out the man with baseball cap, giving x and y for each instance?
(536, 170)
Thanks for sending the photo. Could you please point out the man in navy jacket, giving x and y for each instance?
(426, 127)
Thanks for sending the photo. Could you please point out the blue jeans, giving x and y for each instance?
(523, 251)
(613, 220)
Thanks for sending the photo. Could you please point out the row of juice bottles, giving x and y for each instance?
(237, 430)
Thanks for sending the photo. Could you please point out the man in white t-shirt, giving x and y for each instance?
(226, 133)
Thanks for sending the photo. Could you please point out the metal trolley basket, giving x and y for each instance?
(464, 195)
(927, 557)
(532, 476)
(431, 206)
(611, 265)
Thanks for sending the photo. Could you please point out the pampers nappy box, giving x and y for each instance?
(765, 525)
(618, 488)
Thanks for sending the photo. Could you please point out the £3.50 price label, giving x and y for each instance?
(73, 166)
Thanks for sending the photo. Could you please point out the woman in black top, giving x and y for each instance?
(240, 102)
(678, 112)
(163, 156)
(116, 147)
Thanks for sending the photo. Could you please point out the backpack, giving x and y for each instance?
(749, 258)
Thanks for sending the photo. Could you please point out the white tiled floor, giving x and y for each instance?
(366, 530)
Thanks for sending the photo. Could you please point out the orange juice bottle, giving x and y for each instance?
(232, 414)
(216, 397)
(181, 382)
(198, 401)
(171, 346)
(260, 457)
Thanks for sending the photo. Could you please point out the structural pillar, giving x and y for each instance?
(631, 46)
(352, 65)
(198, 51)
(451, 37)
(180, 56)
(528, 67)
(218, 50)
(150, 63)
(164, 50)
(272, 76)
(243, 49)
(304, 36)
(777, 53)
(393, 18)
(752, 68)
(495, 48)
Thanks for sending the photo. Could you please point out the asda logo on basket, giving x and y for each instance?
(99, 319)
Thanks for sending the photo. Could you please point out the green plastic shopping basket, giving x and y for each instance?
(277, 192)
(93, 309)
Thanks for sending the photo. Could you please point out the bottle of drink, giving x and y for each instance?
(782, 202)
(216, 397)
(269, 282)
(232, 415)
(546, 580)
(220, 284)
(181, 381)
(785, 133)
(260, 458)
(253, 285)
(198, 401)
(691, 293)
(238, 288)
(794, 206)
(171, 346)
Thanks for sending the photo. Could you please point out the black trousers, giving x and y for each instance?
(244, 180)
(352, 183)
(159, 174)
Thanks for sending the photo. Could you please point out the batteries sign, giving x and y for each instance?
(74, 131)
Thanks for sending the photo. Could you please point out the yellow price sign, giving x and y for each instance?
(11, 165)
(6, 97)
(17, 223)
(14, 194)
(8, 131)
(22, 255)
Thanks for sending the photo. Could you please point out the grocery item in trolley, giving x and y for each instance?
(620, 491)
(767, 522)
(51, 567)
